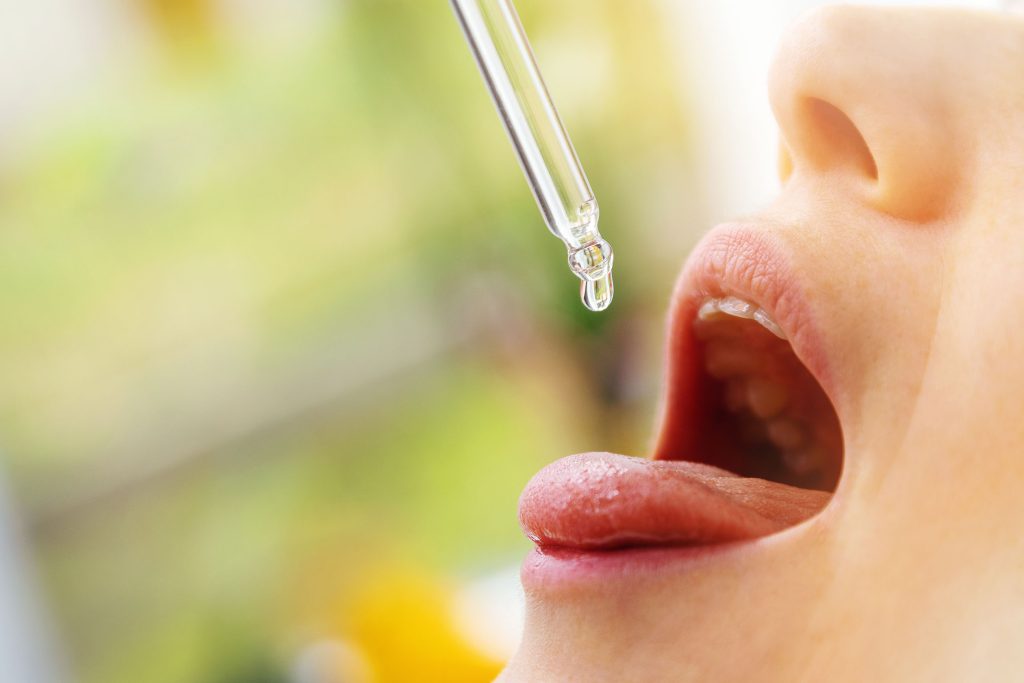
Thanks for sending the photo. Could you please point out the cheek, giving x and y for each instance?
(982, 348)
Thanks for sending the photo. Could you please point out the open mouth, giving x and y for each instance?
(750, 442)
(763, 415)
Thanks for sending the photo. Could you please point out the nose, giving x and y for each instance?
(863, 94)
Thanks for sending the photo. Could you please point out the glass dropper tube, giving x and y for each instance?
(553, 171)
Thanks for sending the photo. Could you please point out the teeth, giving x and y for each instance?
(786, 434)
(766, 398)
(803, 463)
(762, 407)
(767, 323)
(738, 308)
(708, 310)
(732, 305)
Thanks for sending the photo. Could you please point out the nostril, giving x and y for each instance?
(862, 99)
(833, 140)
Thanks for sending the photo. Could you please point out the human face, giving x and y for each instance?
(893, 262)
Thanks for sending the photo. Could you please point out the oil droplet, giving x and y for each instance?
(597, 294)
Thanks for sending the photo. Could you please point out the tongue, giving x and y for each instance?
(602, 500)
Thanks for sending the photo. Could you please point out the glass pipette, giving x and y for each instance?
(553, 171)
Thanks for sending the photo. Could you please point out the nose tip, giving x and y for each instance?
(859, 94)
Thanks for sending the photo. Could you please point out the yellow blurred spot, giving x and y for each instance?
(405, 628)
(186, 26)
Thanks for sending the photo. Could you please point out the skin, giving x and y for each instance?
(903, 202)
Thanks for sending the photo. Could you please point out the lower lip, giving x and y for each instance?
(557, 570)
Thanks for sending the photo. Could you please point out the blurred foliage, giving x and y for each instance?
(283, 323)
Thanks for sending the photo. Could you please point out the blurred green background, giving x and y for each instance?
(284, 335)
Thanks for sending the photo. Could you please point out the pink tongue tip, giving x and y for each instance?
(603, 500)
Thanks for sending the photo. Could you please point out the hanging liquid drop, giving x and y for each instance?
(597, 294)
